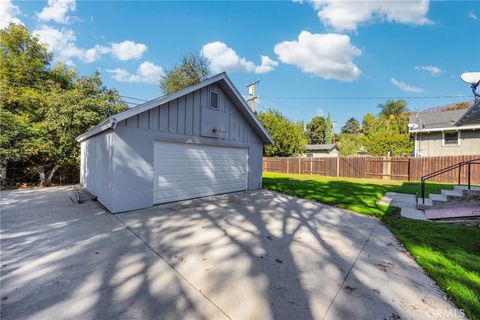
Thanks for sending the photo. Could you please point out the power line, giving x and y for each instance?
(363, 98)
(62, 89)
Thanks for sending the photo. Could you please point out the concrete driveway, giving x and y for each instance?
(256, 255)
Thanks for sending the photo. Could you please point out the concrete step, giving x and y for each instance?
(438, 198)
(424, 205)
(452, 194)
(465, 188)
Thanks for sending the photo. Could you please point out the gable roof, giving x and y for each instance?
(471, 116)
(441, 120)
(328, 146)
(223, 81)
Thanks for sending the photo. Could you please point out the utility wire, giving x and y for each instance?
(363, 98)
(62, 89)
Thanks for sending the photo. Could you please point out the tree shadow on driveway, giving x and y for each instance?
(256, 255)
(265, 255)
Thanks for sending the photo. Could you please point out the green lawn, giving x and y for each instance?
(449, 253)
(359, 195)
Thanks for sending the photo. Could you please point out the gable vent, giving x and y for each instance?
(213, 100)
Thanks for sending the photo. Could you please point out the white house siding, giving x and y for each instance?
(431, 144)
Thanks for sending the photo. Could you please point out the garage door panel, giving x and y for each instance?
(198, 172)
(198, 191)
(175, 179)
(184, 171)
(207, 162)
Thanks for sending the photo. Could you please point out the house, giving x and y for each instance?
(199, 141)
(321, 150)
(446, 132)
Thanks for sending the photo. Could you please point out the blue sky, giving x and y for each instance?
(310, 49)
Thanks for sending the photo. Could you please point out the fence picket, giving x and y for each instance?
(395, 168)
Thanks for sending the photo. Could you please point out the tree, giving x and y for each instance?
(350, 144)
(394, 115)
(316, 130)
(393, 108)
(395, 143)
(43, 108)
(352, 126)
(328, 130)
(369, 124)
(288, 135)
(193, 69)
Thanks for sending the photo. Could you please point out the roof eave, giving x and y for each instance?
(107, 124)
(258, 127)
(455, 128)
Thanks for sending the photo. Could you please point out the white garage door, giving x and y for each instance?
(184, 170)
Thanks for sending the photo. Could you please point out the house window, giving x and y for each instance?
(309, 155)
(214, 100)
(450, 138)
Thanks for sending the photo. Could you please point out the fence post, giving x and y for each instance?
(338, 166)
(387, 168)
(288, 165)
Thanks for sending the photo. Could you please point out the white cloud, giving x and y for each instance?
(57, 10)
(432, 69)
(62, 43)
(472, 15)
(147, 72)
(223, 58)
(324, 55)
(348, 15)
(8, 13)
(267, 65)
(128, 50)
(406, 87)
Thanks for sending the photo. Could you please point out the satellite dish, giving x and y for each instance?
(471, 77)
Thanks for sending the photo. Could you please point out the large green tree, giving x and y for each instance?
(328, 130)
(351, 144)
(193, 69)
(352, 126)
(316, 130)
(394, 143)
(394, 115)
(369, 124)
(43, 108)
(288, 135)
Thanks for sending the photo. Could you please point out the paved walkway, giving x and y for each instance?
(256, 255)
(406, 202)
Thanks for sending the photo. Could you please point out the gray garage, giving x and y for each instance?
(202, 140)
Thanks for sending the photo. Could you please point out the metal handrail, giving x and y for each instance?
(458, 166)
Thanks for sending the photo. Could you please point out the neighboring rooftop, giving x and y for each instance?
(456, 116)
(328, 146)
(439, 119)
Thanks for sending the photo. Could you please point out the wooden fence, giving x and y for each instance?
(367, 167)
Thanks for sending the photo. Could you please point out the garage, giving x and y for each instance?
(185, 171)
(199, 141)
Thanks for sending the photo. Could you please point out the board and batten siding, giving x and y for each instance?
(182, 116)
(96, 166)
(187, 119)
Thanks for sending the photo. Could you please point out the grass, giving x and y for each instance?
(357, 195)
(449, 253)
